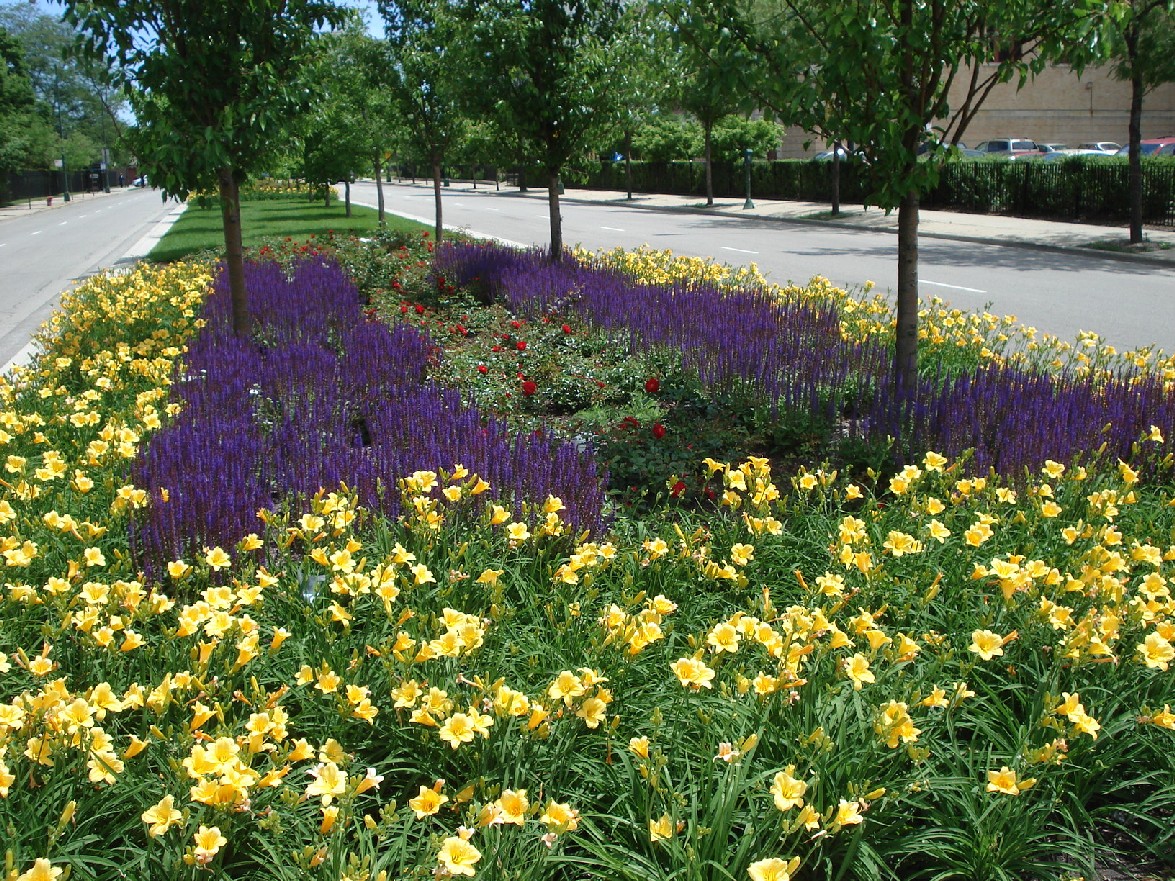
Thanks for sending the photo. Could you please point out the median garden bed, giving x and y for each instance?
(352, 598)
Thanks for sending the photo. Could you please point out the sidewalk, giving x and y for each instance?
(980, 228)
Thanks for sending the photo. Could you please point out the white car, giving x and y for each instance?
(1108, 147)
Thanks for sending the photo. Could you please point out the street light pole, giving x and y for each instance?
(747, 171)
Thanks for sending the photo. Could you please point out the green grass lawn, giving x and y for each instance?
(199, 229)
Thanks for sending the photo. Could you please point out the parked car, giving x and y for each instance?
(1153, 147)
(1052, 148)
(1009, 147)
(1058, 155)
(1107, 147)
(140, 181)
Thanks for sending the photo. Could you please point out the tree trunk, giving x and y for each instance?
(708, 129)
(347, 191)
(522, 179)
(234, 256)
(628, 161)
(1134, 186)
(436, 198)
(556, 219)
(379, 187)
(836, 178)
(906, 350)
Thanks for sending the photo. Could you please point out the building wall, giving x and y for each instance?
(1057, 105)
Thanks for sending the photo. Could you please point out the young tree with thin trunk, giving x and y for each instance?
(712, 67)
(423, 40)
(877, 74)
(541, 68)
(1138, 38)
(211, 87)
(337, 137)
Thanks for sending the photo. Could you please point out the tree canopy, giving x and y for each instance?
(542, 68)
(878, 74)
(211, 88)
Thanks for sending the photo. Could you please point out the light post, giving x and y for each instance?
(747, 171)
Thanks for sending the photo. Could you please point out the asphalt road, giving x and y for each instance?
(47, 252)
(1130, 304)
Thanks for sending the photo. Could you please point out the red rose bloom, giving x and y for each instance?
(652, 385)
(520, 345)
(481, 368)
(678, 488)
(529, 388)
(419, 309)
(658, 430)
(567, 328)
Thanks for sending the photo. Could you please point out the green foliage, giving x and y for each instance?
(210, 85)
(735, 134)
(338, 137)
(543, 69)
(268, 220)
(75, 101)
(667, 138)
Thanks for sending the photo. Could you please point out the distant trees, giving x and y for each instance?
(339, 134)
(713, 68)
(76, 112)
(16, 104)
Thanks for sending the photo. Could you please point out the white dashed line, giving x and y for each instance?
(739, 250)
(954, 287)
(613, 228)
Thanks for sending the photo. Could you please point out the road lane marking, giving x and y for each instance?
(738, 250)
(63, 223)
(954, 287)
(613, 228)
(38, 232)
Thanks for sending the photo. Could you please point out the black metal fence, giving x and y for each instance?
(39, 185)
(1073, 189)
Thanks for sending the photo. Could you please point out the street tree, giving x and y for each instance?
(542, 69)
(211, 86)
(642, 78)
(1138, 39)
(877, 74)
(423, 38)
(712, 67)
(338, 137)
